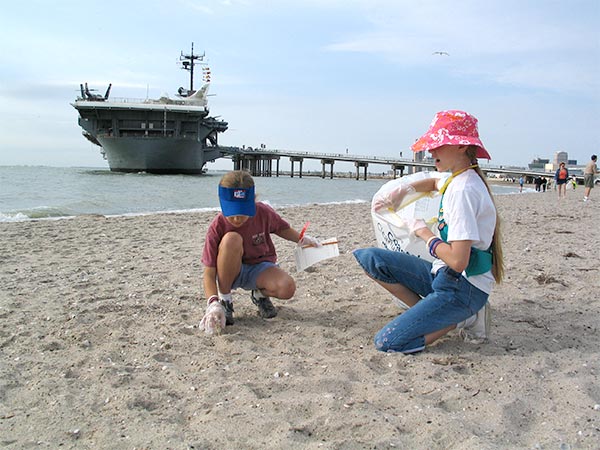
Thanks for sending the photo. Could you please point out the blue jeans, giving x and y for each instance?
(447, 298)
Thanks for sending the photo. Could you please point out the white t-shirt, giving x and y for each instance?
(471, 216)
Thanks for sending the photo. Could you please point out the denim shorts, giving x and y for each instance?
(246, 279)
(447, 298)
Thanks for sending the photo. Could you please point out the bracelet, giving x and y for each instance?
(211, 299)
(430, 239)
(434, 249)
(433, 246)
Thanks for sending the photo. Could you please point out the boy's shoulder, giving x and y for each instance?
(265, 208)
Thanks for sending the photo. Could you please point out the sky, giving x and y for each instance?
(310, 75)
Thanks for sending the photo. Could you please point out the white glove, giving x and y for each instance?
(309, 241)
(392, 199)
(415, 225)
(213, 321)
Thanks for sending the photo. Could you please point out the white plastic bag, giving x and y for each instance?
(391, 228)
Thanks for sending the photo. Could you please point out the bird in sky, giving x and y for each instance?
(441, 53)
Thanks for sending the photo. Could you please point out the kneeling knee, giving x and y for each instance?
(287, 291)
(381, 345)
(231, 238)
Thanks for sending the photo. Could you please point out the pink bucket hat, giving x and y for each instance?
(451, 127)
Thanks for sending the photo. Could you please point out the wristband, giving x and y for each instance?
(433, 246)
(434, 249)
(211, 299)
(430, 239)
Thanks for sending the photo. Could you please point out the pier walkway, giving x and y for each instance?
(263, 162)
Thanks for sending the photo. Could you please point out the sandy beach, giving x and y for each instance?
(100, 346)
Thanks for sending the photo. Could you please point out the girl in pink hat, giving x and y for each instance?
(452, 292)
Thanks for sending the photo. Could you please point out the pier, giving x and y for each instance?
(266, 162)
(263, 162)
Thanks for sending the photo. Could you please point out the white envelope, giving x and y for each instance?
(307, 256)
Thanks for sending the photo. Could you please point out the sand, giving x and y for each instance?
(100, 346)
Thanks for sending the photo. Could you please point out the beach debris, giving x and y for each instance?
(448, 360)
(571, 255)
(548, 279)
(75, 434)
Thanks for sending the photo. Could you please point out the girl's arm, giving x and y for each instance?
(455, 254)
(426, 185)
(393, 199)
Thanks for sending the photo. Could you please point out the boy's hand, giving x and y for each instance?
(213, 321)
(308, 241)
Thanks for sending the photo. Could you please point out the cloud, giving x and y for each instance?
(524, 46)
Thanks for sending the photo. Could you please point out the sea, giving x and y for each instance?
(50, 193)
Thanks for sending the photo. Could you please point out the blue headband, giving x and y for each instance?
(237, 201)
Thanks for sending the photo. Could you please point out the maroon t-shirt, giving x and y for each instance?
(256, 232)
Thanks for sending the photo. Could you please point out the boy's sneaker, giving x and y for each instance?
(476, 328)
(228, 311)
(265, 306)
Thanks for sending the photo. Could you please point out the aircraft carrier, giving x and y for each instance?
(156, 136)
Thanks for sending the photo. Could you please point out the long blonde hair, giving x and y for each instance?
(497, 254)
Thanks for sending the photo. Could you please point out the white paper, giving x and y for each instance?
(306, 257)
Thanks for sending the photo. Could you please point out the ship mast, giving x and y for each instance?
(188, 62)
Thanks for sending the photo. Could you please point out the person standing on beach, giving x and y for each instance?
(452, 292)
(560, 179)
(590, 171)
(239, 252)
(521, 181)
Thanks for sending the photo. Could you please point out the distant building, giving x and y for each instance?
(538, 164)
(560, 157)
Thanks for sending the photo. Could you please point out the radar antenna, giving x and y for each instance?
(188, 62)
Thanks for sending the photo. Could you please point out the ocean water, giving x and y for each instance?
(38, 192)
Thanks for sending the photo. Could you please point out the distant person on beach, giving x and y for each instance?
(544, 184)
(239, 253)
(590, 171)
(560, 179)
(452, 292)
(521, 181)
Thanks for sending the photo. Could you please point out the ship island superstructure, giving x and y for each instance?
(156, 136)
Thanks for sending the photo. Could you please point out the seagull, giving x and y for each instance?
(441, 53)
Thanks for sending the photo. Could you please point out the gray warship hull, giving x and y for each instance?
(154, 155)
(151, 137)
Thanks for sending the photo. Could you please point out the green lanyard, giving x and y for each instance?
(480, 261)
(442, 225)
(455, 174)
